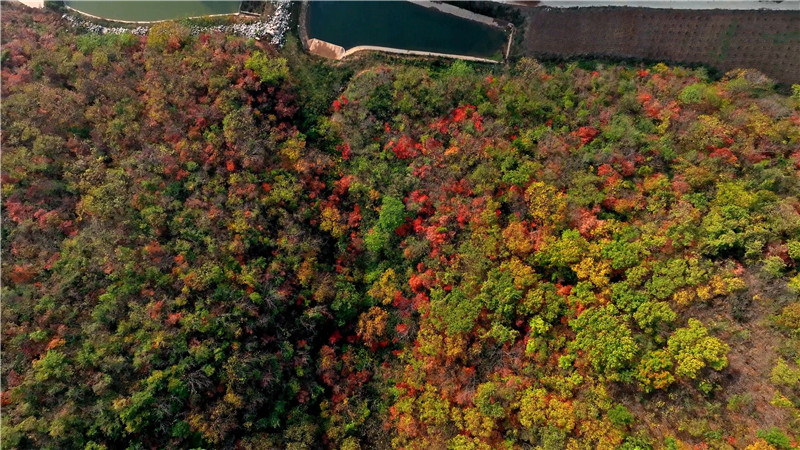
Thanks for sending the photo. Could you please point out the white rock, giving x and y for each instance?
(276, 26)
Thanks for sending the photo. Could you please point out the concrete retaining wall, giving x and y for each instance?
(459, 12)
(325, 49)
(400, 51)
(33, 3)
(332, 51)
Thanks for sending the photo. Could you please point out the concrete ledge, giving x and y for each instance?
(332, 51)
(325, 49)
(32, 3)
(459, 12)
(399, 51)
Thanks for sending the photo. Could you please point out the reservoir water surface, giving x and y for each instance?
(403, 25)
(149, 11)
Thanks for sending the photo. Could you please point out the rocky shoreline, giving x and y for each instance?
(276, 26)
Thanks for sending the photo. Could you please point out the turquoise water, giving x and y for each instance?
(143, 11)
(403, 25)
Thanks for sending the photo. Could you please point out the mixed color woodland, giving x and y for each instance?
(211, 243)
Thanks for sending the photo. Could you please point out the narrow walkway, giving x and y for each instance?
(400, 51)
(460, 12)
(333, 51)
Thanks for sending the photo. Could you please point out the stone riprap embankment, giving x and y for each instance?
(276, 26)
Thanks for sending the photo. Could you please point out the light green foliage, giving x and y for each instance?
(671, 275)
(606, 339)
(499, 295)
(544, 301)
(539, 326)
(532, 409)
(693, 349)
(783, 374)
(794, 250)
(136, 412)
(460, 68)
(270, 69)
(53, 365)
(622, 130)
(501, 333)
(626, 297)
(89, 42)
(489, 400)
(374, 240)
(433, 408)
(566, 251)
(392, 215)
(735, 224)
(700, 93)
(620, 416)
(623, 254)
(457, 311)
(651, 316)
(774, 266)
(775, 437)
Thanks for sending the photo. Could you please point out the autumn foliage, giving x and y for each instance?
(439, 257)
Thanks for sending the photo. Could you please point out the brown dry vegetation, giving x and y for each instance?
(744, 405)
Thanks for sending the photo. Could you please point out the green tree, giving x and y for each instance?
(270, 69)
(693, 349)
(603, 334)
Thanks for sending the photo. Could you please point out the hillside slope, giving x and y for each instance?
(206, 244)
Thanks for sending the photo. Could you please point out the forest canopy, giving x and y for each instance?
(211, 243)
